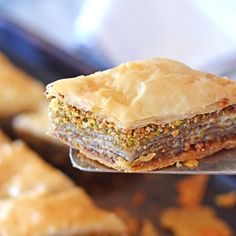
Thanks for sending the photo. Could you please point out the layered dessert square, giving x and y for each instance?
(37, 199)
(71, 212)
(144, 115)
(20, 92)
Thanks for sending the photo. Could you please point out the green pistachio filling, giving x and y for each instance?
(62, 113)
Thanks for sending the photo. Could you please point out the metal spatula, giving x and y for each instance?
(221, 163)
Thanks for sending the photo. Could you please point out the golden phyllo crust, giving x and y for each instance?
(142, 92)
(37, 199)
(19, 91)
(69, 212)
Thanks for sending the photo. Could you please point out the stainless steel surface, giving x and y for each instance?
(221, 163)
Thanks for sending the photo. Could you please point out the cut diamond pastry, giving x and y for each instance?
(19, 91)
(144, 115)
(44, 201)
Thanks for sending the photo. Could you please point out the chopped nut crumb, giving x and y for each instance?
(186, 146)
(199, 146)
(224, 102)
(191, 163)
(178, 164)
(175, 133)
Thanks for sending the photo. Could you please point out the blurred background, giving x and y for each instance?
(201, 33)
(53, 39)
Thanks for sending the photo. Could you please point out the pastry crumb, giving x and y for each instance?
(178, 164)
(191, 190)
(226, 200)
(191, 163)
(200, 221)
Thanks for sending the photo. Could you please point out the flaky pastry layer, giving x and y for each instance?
(153, 91)
(19, 91)
(69, 212)
(23, 172)
(37, 199)
(153, 164)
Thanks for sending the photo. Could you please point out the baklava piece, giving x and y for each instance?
(19, 91)
(23, 172)
(32, 127)
(144, 115)
(37, 199)
(69, 212)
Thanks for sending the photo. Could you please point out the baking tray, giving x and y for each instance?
(111, 191)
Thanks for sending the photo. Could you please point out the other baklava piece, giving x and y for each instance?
(20, 92)
(37, 199)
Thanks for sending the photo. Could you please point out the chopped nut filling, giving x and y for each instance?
(88, 129)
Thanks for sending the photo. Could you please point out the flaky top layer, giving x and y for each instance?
(69, 212)
(142, 92)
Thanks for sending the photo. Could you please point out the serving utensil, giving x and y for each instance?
(220, 163)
